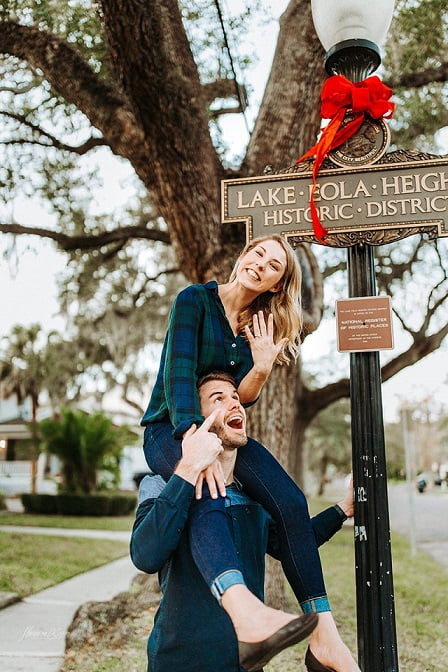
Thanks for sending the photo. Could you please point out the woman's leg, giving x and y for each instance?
(162, 451)
(265, 480)
(211, 543)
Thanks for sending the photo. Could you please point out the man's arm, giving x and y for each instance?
(159, 523)
(325, 524)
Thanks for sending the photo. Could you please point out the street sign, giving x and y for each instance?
(403, 193)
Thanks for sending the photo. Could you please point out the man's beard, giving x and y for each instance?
(229, 441)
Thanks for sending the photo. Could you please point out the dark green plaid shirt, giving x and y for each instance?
(199, 340)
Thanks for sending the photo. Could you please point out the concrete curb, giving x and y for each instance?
(6, 599)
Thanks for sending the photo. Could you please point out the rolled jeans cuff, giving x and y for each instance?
(316, 604)
(224, 581)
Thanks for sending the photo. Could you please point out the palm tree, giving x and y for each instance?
(22, 373)
(84, 444)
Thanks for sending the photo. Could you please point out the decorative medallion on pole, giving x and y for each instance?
(347, 105)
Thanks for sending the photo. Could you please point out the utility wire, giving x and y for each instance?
(240, 97)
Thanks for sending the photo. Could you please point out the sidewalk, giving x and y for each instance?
(33, 630)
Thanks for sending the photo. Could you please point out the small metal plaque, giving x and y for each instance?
(364, 324)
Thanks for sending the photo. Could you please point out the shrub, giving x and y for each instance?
(68, 504)
(39, 503)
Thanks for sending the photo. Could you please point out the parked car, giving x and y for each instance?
(421, 483)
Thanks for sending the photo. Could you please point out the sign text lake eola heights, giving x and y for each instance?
(404, 193)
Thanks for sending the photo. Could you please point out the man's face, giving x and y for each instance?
(230, 424)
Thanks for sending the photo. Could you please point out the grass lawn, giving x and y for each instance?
(118, 523)
(31, 562)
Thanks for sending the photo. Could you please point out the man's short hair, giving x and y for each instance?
(216, 375)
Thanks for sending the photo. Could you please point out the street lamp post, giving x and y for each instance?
(350, 31)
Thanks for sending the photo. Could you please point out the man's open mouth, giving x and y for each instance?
(235, 422)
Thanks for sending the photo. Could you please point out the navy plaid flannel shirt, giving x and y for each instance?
(199, 340)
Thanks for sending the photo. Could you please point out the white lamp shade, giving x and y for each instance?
(339, 20)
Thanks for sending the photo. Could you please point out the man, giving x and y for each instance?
(191, 631)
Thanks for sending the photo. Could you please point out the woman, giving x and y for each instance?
(210, 329)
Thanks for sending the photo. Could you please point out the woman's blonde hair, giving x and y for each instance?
(285, 305)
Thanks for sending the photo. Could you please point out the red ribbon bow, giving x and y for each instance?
(338, 95)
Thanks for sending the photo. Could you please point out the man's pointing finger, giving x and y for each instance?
(209, 420)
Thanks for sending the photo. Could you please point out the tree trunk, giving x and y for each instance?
(323, 464)
(35, 444)
(294, 104)
(270, 422)
(152, 55)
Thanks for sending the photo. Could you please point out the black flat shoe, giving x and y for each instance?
(313, 665)
(254, 655)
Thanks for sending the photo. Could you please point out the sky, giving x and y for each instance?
(28, 283)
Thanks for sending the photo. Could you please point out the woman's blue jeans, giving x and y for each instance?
(265, 481)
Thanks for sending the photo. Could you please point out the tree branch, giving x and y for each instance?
(71, 77)
(124, 313)
(21, 89)
(91, 241)
(89, 144)
(131, 403)
(220, 88)
(214, 114)
(417, 80)
(313, 401)
(422, 346)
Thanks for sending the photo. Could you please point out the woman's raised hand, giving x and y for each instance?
(261, 342)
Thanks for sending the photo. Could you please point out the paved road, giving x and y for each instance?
(423, 515)
(426, 514)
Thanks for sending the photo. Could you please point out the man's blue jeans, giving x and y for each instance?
(265, 480)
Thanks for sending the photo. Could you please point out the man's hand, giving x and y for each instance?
(200, 448)
(214, 477)
(347, 504)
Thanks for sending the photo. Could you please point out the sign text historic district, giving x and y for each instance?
(384, 196)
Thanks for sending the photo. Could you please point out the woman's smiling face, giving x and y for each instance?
(262, 268)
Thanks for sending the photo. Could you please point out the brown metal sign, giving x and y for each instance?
(364, 324)
(404, 193)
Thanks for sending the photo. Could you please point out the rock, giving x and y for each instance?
(94, 618)
(8, 598)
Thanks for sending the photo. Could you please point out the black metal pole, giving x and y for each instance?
(377, 645)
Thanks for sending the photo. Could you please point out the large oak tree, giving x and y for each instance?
(139, 86)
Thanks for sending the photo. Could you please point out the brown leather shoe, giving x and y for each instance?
(313, 665)
(253, 655)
